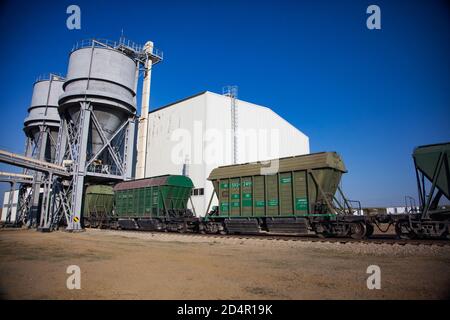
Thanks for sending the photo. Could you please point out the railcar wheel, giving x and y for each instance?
(369, 229)
(358, 230)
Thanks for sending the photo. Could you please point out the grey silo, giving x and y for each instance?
(43, 116)
(41, 128)
(98, 112)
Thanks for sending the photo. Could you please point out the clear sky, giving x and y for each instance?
(370, 95)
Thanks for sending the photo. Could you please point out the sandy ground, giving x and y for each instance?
(130, 265)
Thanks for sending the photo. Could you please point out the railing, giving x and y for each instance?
(49, 76)
(410, 205)
(355, 208)
(104, 169)
(117, 45)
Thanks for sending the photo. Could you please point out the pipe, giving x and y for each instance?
(143, 120)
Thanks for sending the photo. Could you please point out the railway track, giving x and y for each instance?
(375, 239)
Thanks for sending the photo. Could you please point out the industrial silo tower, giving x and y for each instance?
(41, 125)
(98, 113)
(41, 128)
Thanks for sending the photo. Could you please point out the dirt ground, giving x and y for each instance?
(137, 265)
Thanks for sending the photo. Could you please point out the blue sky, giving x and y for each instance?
(370, 95)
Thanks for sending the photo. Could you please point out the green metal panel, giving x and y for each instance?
(156, 202)
(247, 196)
(259, 198)
(224, 196)
(272, 195)
(235, 197)
(426, 159)
(148, 201)
(300, 194)
(135, 204)
(285, 186)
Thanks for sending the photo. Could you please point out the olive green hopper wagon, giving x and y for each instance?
(98, 204)
(296, 186)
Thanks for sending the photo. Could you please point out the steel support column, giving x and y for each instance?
(42, 146)
(129, 141)
(74, 223)
(10, 202)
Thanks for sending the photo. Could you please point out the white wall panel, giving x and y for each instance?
(6, 205)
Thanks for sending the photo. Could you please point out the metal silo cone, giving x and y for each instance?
(110, 121)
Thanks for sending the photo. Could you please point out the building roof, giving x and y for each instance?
(217, 94)
(199, 94)
(178, 101)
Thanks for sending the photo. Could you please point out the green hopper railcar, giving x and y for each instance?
(428, 220)
(156, 203)
(288, 195)
(98, 205)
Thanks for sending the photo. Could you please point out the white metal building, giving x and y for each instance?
(194, 135)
